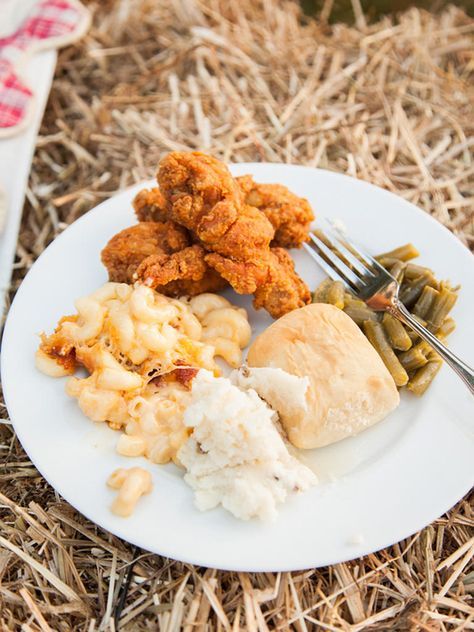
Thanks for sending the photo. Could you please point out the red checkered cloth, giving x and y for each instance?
(49, 23)
(15, 96)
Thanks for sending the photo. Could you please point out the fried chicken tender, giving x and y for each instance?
(203, 197)
(181, 273)
(272, 279)
(283, 290)
(140, 249)
(150, 206)
(128, 248)
(202, 228)
(289, 214)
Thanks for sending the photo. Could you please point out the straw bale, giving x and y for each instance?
(389, 102)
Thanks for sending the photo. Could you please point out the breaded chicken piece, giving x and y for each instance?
(149, 245)
(272, 279)
(127, 249)
(150, 206)
(283, 290)
(231, 224)
(203, 197)
(289, 214)
(183, 273)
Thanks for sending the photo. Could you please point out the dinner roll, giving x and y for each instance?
(350, 388)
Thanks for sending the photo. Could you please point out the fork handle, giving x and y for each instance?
(461, 368)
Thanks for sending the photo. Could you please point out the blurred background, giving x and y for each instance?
(343, 10)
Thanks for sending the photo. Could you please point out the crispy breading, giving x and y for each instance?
(146, 246)
(214, 227)
(210, 282)
(283, 290)
(180, 273)
(150, 206)
(127, 249)
(271, 278)
(203, 197)
(290, 215)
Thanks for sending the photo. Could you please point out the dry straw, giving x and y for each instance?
(244, 80)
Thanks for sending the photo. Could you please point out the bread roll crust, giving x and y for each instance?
(350, 388)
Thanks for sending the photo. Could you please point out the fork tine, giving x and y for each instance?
(356, 250)
(364, 255)
(354, 261)
(331, 272)
(345, 273)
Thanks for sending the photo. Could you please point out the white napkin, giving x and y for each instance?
(3, 208)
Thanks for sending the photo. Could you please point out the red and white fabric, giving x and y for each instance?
(48, 24)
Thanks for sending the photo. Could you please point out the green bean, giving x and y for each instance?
(414, 358)
(351, 301)
(425, 301)
(446, 328)
(432, 282)
(424, 347)
(360, 314)
(415, 362)
(423, 377)
(433, 355)
(413, 271)
(320, 293)
(409, 293)
(411, 333)
(441, 307)
(399, 339)
(396, 332)
(335, 295)
(387, 262)
(405, 253)
(446, 285)
(398, 271)
(376, 335)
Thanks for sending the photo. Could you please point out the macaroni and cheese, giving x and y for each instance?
(142, 349)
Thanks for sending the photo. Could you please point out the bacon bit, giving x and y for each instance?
(159, 380)
(60, 351)
(184, 374)
(68, 361)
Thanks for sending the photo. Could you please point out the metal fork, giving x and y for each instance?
(370, 282)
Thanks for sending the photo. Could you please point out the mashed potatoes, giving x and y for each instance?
(235, 456)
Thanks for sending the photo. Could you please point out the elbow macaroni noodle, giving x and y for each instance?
(224, 326)
(132, 484)
(135, 343)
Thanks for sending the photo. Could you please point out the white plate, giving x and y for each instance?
(375, 489)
